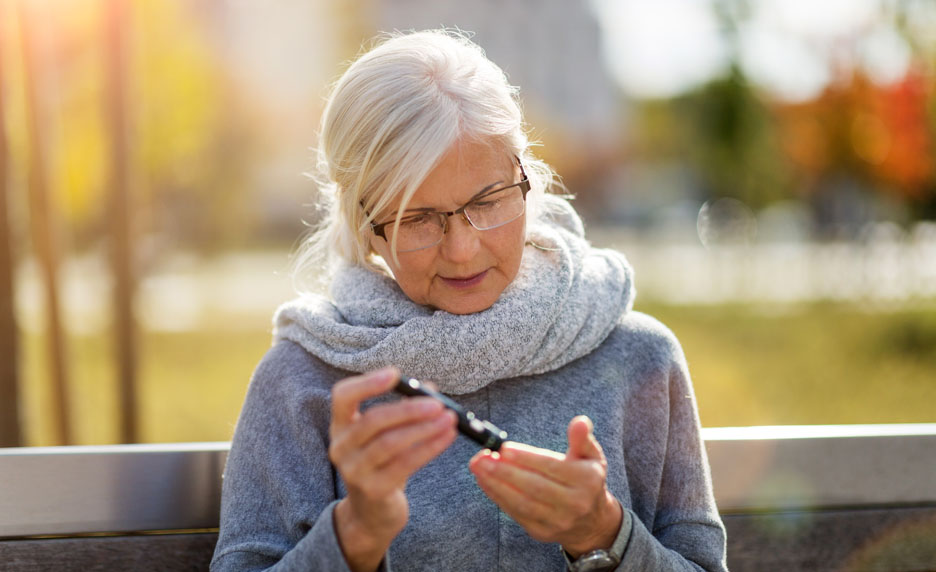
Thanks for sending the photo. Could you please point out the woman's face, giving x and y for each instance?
(469, 269)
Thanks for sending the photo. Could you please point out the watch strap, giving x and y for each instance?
(616, 551)
(623, 536)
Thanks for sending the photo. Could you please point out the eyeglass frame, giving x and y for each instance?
(523, 184)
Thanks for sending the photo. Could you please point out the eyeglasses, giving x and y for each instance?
(486, 211)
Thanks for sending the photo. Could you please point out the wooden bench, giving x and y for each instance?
(827, 497)
(792, 498)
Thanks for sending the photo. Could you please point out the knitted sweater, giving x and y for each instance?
(280, 490)
(560, 341)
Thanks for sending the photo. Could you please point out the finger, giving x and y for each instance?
(551, 464)
(386, 416)
(582, 441)
(483, 467)
(477, 456)
(379, 419)
(523, 453)
(531, 484)
(348, 393)
(400, 467)
(525, 510)
(395, 443)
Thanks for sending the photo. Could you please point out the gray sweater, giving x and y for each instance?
(280, 490)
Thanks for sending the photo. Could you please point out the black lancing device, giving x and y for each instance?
(482, 432)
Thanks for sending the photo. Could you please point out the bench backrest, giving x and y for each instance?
(793, 498)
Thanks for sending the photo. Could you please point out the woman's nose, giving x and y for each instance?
(461, 241)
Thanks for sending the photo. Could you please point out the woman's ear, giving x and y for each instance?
(371, 243)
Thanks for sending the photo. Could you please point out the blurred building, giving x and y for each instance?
(551, 49)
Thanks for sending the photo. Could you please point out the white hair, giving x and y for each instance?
(389, 120)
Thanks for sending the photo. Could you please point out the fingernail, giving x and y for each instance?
(486, 465)
(481, 460)
(429, 405)
(386, 374)
(443, 420)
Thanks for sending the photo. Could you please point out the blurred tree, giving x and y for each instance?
(879, 134)
(191, 149)
(732, 141)
(873, 141)
(913, 20)
(725, 133)
(10, 435)
(122, 239)
(43, 216)
(195, 137)
(902, 153)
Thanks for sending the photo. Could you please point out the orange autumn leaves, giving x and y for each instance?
(882, 132)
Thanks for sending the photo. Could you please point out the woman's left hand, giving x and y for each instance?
(554, 497)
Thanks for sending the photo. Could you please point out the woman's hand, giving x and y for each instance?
(375, 452)
(554, 497)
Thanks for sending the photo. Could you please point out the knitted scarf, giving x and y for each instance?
(564, 302)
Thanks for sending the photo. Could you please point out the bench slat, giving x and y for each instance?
(892, 539)
(896, 539)
(142, 553)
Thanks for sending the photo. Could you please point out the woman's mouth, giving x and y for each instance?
(465, 282)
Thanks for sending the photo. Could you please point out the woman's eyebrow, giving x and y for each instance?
(419, 210)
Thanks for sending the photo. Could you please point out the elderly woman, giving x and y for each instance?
(452, 263)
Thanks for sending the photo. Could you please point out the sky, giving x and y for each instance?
(788, 47)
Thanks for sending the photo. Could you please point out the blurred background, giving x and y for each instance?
(766, 165)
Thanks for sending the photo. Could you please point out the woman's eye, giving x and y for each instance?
(488, 201)
(417, 220)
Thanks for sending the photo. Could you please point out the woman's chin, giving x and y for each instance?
(467, 303)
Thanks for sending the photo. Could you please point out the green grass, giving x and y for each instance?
(191, 386)
(808, 364)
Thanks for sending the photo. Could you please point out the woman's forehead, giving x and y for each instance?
(464, 171)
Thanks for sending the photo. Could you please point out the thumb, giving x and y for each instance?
(582, 442)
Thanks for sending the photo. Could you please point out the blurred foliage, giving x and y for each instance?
(738, 140)
(199, 140)
(912, 336)
(741, 144)
(725, 133)
(193, 138)
(196, 139)
(879, 133)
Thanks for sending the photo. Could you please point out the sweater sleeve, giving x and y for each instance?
(686, 532)
(278, 494)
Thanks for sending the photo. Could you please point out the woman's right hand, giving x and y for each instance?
(376, 451)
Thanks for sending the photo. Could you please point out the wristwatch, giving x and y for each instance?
(595, 561)
(603, 560)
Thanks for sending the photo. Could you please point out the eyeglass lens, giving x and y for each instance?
(484, 213)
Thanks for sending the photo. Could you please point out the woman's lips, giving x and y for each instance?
(466, 282)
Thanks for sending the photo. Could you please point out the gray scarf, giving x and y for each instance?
(563, 303)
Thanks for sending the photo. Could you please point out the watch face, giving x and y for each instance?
(594, 561)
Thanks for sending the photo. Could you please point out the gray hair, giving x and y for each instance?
(389, 120)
